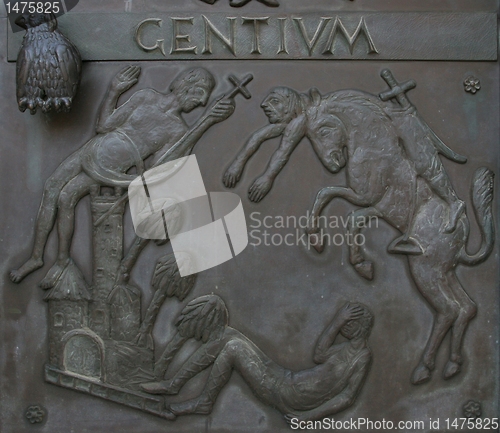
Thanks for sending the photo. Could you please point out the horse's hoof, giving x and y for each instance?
(451, 369)
(365, 269)
(420, 375)
(402, 245)
(316, 242)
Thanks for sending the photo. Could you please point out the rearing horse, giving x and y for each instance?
(352, 129)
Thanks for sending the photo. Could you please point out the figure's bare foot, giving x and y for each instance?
(456, 210)
(155, 387)
(16, 275)
(200, 406)
(53, 275)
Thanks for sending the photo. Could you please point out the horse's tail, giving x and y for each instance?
(482, 198)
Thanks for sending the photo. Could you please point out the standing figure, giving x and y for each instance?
(148, 124)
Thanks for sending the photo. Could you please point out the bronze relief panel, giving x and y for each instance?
(364, 286)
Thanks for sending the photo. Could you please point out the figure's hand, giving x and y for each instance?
(348, 312)
(296, 419)
(233, 174)
(289, 417)
(126, 78)
(221, 110)
(259, 188)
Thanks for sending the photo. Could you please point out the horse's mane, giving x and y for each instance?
(358, 98)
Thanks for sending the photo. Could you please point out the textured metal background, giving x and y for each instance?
(280, 297)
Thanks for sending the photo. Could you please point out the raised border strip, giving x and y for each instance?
(444, 36)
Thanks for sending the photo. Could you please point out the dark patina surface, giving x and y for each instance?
(397, 126)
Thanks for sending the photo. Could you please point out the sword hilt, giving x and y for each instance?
(398, 91)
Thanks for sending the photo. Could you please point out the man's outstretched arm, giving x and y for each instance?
(233, 173)
(293, 134)
(108, 117)
(218, 112)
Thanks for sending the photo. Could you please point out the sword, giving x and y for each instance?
(398, 91)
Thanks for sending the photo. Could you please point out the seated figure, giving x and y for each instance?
(325, 389)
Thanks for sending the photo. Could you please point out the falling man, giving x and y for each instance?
(325, 389)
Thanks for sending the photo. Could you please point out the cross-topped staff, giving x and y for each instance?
(398, 91)
(239, 87)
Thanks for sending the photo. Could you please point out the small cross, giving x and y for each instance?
(239, 86)
(398, 91)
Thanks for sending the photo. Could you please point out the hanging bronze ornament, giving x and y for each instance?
(48, 66)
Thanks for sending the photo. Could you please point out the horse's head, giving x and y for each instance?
(326, 132)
